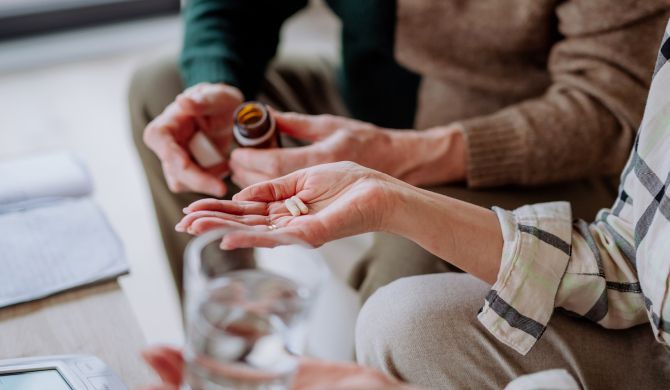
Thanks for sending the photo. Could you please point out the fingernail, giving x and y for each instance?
(186, 210)
(235, 197)
(179, 228)
(189, 230)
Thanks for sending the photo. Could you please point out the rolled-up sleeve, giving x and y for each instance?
(614, 271)
(536, 253)
(601, 283)
(585, 270)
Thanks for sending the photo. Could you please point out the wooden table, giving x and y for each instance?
(96, 320)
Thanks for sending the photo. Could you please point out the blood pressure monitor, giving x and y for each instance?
(65, 372)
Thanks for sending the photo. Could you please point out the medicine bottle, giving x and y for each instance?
(255, 127)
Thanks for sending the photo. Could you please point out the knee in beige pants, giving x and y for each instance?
(424, 330)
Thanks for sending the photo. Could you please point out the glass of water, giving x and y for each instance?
(246, 311)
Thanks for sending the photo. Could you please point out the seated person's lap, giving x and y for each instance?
(424, 330)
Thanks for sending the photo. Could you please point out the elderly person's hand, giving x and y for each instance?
(345, 199)
(312, 375)
(416, 157)
(205, 107)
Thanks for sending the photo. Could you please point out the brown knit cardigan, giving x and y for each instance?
(546, 90)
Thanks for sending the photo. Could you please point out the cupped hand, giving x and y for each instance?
(344, 199)
(312, 374)
(205, 107)
(416, 157)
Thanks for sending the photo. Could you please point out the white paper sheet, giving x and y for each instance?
(36, 179)
(56, 247)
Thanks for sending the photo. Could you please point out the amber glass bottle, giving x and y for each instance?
(255, 127)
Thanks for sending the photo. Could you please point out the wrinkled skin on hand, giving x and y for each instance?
(344, 199)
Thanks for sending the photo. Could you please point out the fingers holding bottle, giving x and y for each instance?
(192, 136)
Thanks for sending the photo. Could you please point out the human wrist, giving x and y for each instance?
(460, 233)
(433, 156)
(407, 208)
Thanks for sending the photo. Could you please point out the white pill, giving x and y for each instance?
(290, 205)
(204, 151)
(303, 208)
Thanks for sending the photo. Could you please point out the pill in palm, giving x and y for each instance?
(303, 208)
(292, 207)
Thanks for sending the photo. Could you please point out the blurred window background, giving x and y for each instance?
(29, 17)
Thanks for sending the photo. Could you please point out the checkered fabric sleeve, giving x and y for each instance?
(614, 271)
(536, 252)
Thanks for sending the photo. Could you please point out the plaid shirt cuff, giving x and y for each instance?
(536, 252)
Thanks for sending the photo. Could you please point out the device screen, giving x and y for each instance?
(34, 380)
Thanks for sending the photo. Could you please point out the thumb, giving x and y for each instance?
(210, 99)
(306, 127)
(272, 190)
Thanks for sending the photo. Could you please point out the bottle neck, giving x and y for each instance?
(252, 120)
(259, 141)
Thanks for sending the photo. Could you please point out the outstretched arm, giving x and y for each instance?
(345, 199)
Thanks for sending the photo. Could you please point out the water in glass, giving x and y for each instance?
(239, 336)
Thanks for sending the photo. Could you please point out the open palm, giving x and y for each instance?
(344, 199)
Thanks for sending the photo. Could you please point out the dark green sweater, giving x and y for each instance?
(232, 41)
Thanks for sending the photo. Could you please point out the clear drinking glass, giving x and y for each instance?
(246, 311)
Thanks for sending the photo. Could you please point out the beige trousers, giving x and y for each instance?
(424, 330)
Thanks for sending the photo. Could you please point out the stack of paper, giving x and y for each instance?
(53, 237)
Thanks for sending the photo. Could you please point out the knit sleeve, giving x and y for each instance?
(232, 41)
(585, 122)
